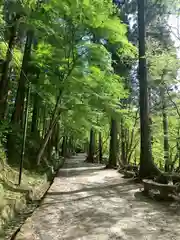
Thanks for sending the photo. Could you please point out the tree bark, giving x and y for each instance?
(150, 118)
(64, 147)
(34, 127)
(165, 130)
(131, 146)
(24, 135)
(49, 148)
(100, 148)
(45, 140)
(147, 167)
(123, 144)
(44, 122)
(4, 83)
(71, 146)
(57, 137)
(17, 116)
(178, 145)
(91, 152)
(113, 145)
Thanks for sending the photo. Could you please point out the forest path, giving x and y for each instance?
(98, 204)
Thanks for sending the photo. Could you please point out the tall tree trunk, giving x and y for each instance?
(46, 139)
(150, 118)
(71, 146)
(17, 116)
(34, 127)
(113, 145)
(123, 144)
(4, 83)
(91, 152)
(49, 149)
(36, 110)
(178, 145)
(147, 167)
(24, 134)
(44, 122)
(64, 147)
(165, 131)
(57, 137)
(100, 148)
(68, 149)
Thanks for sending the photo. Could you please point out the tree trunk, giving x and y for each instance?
(45, 140)
(4, 83)
(17, 116)
(34, 127)
(150, 118)
(113, 145)
(44, 122)
(165, 131)
(57, 137)
(91, 152)
(178, 145)
(100, 148)
(68, 147)
(24, 134)
(64, 147)
(71, 145)
(123, 144)
(147, 167)
(49, 149)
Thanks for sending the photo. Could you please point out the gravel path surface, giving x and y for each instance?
(99, 204)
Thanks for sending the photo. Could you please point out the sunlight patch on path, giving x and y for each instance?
(98, 204)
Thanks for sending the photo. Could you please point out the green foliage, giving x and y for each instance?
(72, 61)
(81, 72)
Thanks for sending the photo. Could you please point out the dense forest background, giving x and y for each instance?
(72, 79)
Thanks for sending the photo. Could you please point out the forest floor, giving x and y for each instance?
(99, 204)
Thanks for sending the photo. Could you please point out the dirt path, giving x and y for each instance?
(99, 204)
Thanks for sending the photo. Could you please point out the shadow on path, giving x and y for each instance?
(99, 205)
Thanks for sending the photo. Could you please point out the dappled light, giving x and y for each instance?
(99, 205)
(89, 119)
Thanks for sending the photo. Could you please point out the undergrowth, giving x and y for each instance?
(13, 198)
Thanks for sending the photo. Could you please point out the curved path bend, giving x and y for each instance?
(86, 202)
